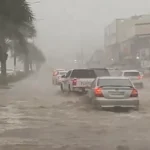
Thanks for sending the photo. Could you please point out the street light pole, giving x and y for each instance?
(82, 57)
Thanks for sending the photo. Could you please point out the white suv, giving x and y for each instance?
(135, 76)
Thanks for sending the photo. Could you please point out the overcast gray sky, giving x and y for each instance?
(68, 25)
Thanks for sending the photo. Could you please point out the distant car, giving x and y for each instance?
(55, 74)
(59, 77)
(135, 76)
(113, 92)
(11, 72)
(141, 74)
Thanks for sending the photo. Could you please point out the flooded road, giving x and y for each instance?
(36, 116)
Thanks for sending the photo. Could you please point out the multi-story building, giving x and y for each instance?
(128, 37)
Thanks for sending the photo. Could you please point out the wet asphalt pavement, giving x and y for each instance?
(34, 115)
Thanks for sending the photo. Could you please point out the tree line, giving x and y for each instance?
(16, 28)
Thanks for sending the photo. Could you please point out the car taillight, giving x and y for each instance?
(98, 92)
(134, 93)
(55, 73)
(74, 81)
(139, 77)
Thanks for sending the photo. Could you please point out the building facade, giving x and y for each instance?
(128, 37)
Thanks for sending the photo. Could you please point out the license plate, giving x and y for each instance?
(85, 83)
(117, 93)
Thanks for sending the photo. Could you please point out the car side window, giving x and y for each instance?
(93, 84)
(68, 74)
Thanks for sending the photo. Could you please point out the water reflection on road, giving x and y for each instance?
(35, 115)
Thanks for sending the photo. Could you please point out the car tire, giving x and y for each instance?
(83, 91)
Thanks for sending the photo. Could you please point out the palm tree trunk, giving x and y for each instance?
(3, 71)
(15, 61)
(26, 64)
(31, 66)
(3, 63)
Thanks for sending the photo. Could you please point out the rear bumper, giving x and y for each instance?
(118, 102)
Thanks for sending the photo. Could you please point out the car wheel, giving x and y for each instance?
(83, 90)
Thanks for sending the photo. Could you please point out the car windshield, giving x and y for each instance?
(101, 72)
(127, 74)
(114, 82)
(83, 73)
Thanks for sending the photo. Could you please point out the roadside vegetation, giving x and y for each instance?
(16, 28)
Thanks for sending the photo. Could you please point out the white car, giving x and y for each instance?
(55, 74)
(135, 76)
(80, 79)
(60, 77)
(77, 80)
(11, 72)
(113, 92)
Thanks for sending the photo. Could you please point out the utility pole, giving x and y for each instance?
(82, 57)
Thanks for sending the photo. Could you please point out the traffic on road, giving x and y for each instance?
(103, 89)
(112, 113)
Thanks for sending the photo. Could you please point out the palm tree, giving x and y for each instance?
(16, 22)
(36, 56)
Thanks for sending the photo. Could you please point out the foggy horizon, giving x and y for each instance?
(69, 25)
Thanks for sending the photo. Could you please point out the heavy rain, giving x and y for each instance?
(74, 75)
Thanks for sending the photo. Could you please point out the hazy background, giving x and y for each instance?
(66, 26)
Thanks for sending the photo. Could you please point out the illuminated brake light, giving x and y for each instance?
(98, 92)
(74, 81)
(134, 93)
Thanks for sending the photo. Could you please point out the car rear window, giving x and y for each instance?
(101, 72)
(62, 72)
(114, 82)
(83, 73)
(131, 74)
